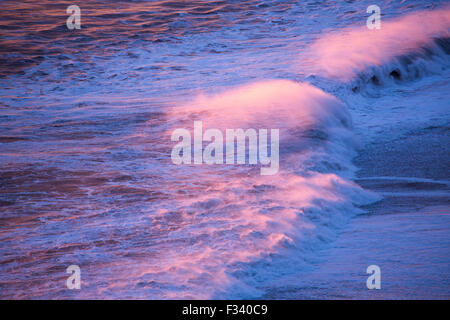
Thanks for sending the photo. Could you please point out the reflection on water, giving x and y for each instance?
(86, 176)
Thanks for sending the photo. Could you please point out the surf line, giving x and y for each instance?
(235, 147)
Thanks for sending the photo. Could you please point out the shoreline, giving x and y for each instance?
(407, 233)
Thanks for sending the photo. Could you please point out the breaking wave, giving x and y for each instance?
(86, 169)
(403, 49)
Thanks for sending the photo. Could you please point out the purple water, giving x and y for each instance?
(86, 115)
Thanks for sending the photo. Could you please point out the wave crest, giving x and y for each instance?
(406, 41)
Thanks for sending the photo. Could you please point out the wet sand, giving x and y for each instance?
(407, 233)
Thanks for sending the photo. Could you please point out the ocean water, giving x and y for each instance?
(86, 117)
